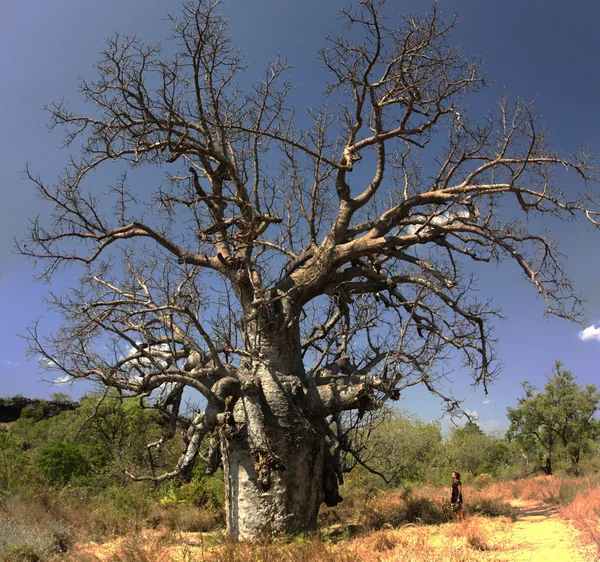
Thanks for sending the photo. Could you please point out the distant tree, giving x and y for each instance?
(122, 428)
(289, 267)
(400, 447)
(564, 415)
(111, 433)
(61, 398)
(471, 450)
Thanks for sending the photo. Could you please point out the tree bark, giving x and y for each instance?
(274, 450)
(262, 499)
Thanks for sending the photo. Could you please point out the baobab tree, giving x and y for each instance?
(293, 271)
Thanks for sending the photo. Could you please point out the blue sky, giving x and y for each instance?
(542, 50)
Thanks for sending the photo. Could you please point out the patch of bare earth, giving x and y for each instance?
(540, 535)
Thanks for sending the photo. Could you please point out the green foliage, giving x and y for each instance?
(493, 507)
(36, 411)
(12, 460)
(132, 502)
(6, 400)
(401, 448)
(203, 491)
(111, 435)
(61, 398)
(561, 420)
(404, 449)
(61, 461)
(472, 451)
(123, 428)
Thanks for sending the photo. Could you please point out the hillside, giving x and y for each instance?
(11, 408)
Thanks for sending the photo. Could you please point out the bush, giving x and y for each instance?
(493, 507)
(61, 461)
(12, 461)
(399, 507)
(482, 481)
(130, 503)
(20, 542)
(205, 492)
(36, 411)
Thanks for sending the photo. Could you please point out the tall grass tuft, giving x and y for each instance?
(20, 541)
(584, 512)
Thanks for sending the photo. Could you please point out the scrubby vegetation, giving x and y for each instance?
(63, 479)
(63, 488)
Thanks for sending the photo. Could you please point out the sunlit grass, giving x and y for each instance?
(413, 524)
(584, 512)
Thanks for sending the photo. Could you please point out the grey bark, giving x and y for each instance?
(277, 489)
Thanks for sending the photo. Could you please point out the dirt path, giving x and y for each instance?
(540, 535)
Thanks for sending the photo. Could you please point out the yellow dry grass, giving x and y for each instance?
(449, 542)
(375, 529)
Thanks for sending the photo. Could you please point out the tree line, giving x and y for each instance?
(95, 444)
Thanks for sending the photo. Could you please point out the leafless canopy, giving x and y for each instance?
(333, 246)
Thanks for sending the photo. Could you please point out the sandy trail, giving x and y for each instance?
(540, 535)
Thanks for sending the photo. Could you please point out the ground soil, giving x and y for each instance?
(540, 535)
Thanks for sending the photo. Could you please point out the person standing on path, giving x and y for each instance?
(456, 499)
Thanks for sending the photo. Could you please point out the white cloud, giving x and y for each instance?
(46, 363)
(145, 361)
(11, 363)
(423, 222)
(472, 413)
(65, 379)
(487, 401)
(590, 333)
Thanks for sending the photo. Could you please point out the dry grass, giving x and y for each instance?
(403, 524)
(426, 505)
(395, 525)
(554, 489)
(444, 543)
(146, 547)
(584, 512)
(46, 525)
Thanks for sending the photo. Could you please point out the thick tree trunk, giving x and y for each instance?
(274, 451)
(264, 500)
(273, 460)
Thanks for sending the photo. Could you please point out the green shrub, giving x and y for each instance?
(482, 481)
(493, 508)
(24, 553)
(131, 502)
(12, 461)
(208, 492)
(36, 411)
(61, 461)
(203, 491)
